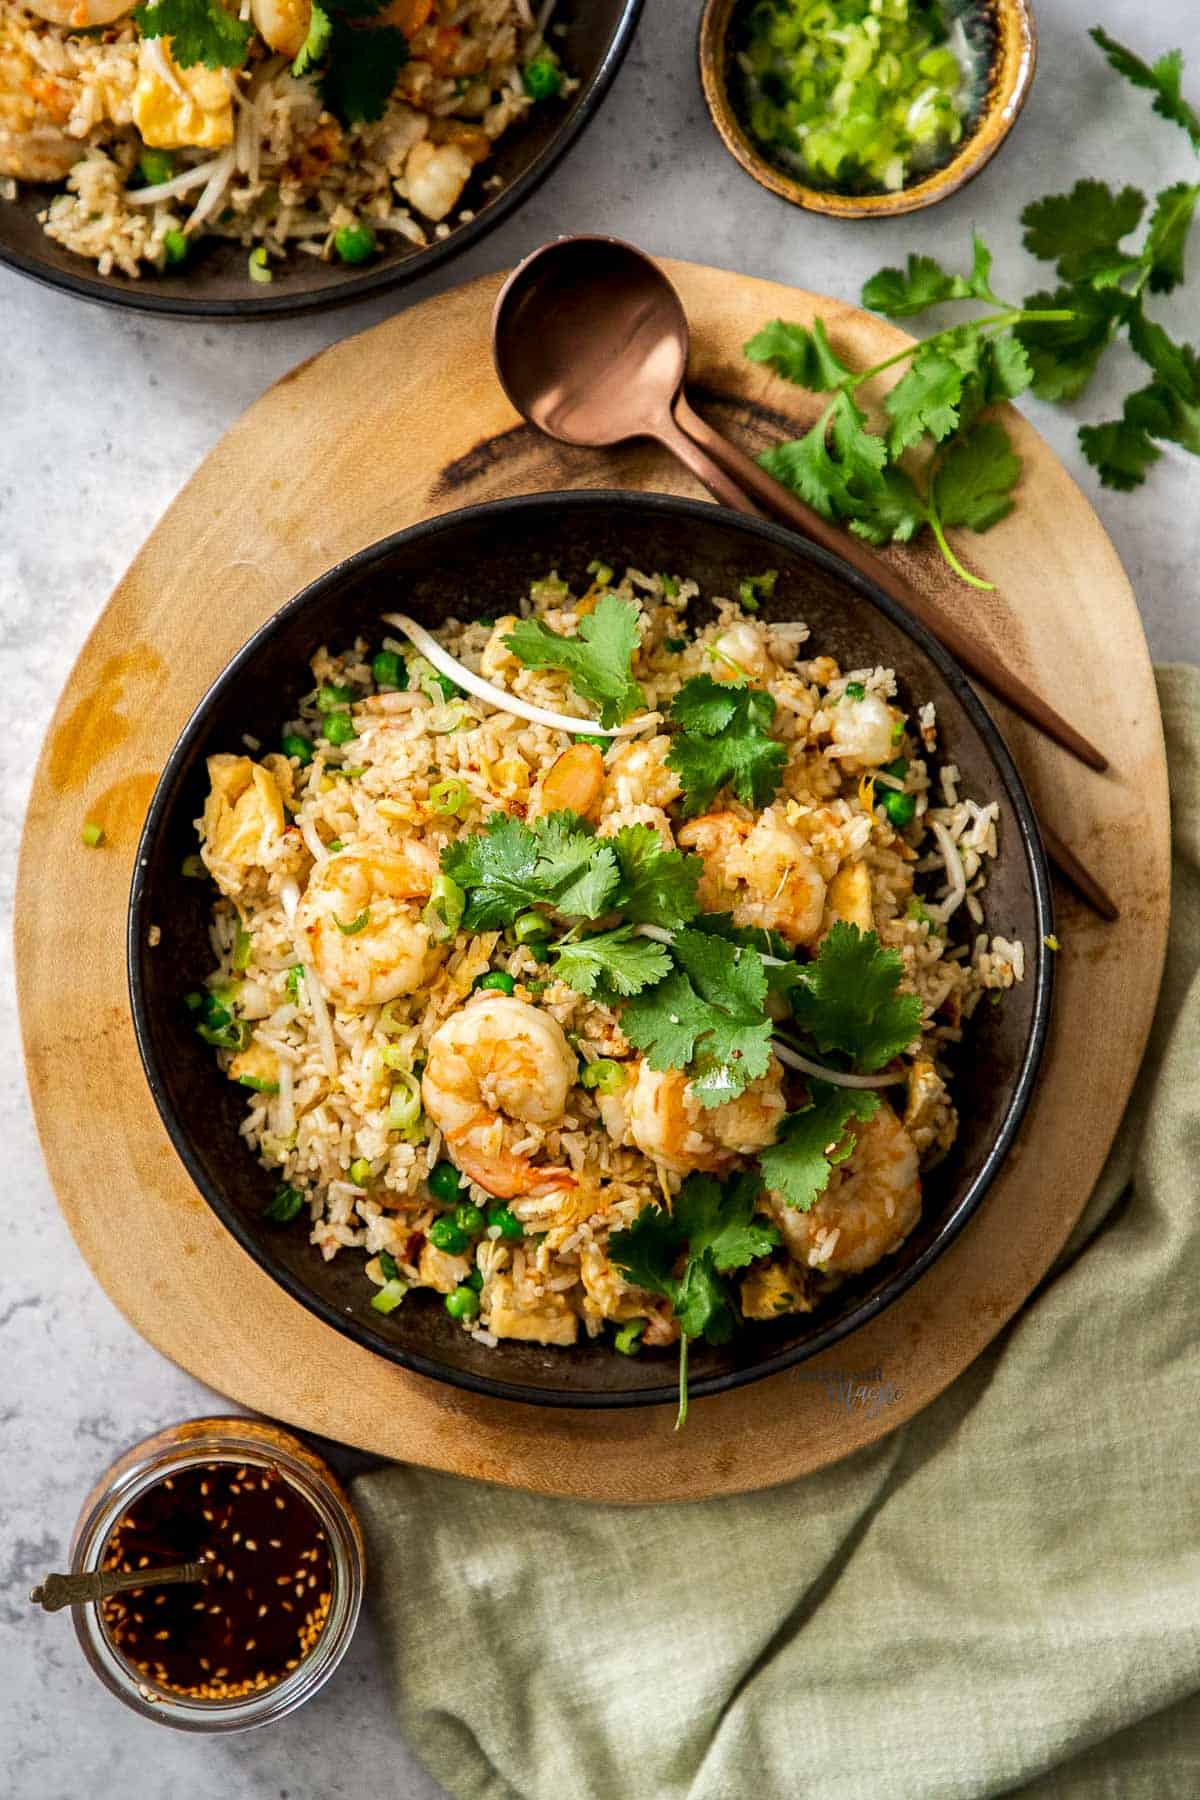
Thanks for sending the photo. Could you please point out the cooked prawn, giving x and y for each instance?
(765, 874)
(435, 176)
(496, 1063)
(871, 1204)
(80, 15)
(283, 23)
(862, 732)
(359, 923)
(658, 1113)
(740, 653)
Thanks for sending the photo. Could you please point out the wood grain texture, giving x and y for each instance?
(377, 432)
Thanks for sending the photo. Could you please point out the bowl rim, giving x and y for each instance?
(968, 161)
(243, 309)
(602, 502)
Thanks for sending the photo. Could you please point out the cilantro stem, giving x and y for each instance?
(964, 574)
(1015, 315)
(681, 1416)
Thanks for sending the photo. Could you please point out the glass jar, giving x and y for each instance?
(247, 1442)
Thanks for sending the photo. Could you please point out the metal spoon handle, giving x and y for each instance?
(706, 470)
(974, 656)
(57, 1591)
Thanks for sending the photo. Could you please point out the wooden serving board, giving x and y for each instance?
(387, 428)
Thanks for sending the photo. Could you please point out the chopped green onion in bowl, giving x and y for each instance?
(857, 97)
(389, 1296)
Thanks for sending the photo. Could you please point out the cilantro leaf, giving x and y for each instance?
(1173, 363)
(1164, 412)
(895, 512)
(201, 31)
(361, 67)
(725, 742)
(1165, 241)
(811, 1141)
(802, 356)
(658, 886)
(973, 481)
(1164, 79)
(1067, 229)
(597, 659)
(611, 963)
(507, 867)
(837, 479)
(685, 1255)
(707, 1017)
(1063, 354)
(925, 399)
(724, 1220)
(849, 1001)
(1119, 451)
(312, 51)
(901, 293)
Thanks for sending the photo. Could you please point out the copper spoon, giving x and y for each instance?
(590, 342)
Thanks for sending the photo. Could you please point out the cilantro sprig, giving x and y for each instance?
(687, 1254)
(814, 1140)
(847, 472)
(708, 1017)
(849, 1000)
(355, 62)
(561, 865)
(724, 741)
(201, 31)
(598, 659)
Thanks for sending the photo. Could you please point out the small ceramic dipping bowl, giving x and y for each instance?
(1006, 26)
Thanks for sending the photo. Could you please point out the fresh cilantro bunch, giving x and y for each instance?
(598, 659)
(201, 31)
(708, 1017)
(1103, 280)
(561, 865)
(851, 474)
(724, 741)
(687, 1254)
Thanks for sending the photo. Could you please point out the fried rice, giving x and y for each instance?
(341, 1104)
(253, 154)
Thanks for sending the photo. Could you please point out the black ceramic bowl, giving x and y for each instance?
(216, 285)
(491, 553)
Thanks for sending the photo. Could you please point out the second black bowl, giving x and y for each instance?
(491, 553)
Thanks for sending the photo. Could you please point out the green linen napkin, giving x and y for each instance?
(1002, 1595)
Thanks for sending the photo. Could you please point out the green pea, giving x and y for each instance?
(354, 243)
(444, 1183)
(294, 743)
(339, 728)
(469, 1218)
(463, 1303)
(285, 1206)
(155, 166)
(389, 669)
(474, 1280)
(360, 1171)
(175, 246)
(628, 1339)
(542, 78)
(898, 769)
(496, 981)
(445, 1235)
(855, 691)
(507, 1223)
(332, 695)
(899, 808)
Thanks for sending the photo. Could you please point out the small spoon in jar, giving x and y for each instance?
(57, 1591)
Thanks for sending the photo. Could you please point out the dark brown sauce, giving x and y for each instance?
(266, 1601)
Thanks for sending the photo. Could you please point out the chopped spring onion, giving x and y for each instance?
(193, 867)
(466, 678)
(243, 944)
(404, 1106)
(295, 976)
(388, 1023)
(531, 928)
(628, 1339)
(392, 1057)
(355, 925)
(288, 1202)
(756, 588)
(93, 836)
(359, 1171)
(258, 267)
(258, 1085)
(289, 896)
(443, 914)
(605, 1074)
(389, 1296)
(449, 797)
(601, 572)
(389, 1268)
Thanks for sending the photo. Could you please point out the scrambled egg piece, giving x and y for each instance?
(243, 823)
(772, 1290)
(849, 898)
(194, 109)
(550, 1322)
(257, 1062)
(442, 1271)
